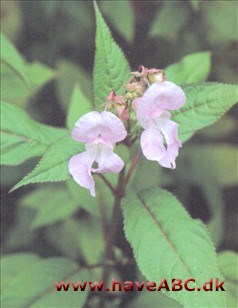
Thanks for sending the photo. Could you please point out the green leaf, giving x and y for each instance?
(12, 265)
(49, 210)
(111, 69)
(10, 80)
(177, 245)
(35, 285)
(79, 105)
(228, 263)
(38, 75)
(70, 74)
(53, 167)
(174, 11)
(205, 104)
(11, 57)
(153, 299)
(125, 28)
(22, 137)
(190, 69)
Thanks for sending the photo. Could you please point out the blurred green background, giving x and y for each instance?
(61, 35)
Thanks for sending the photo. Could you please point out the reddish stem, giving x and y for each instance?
(133, 166)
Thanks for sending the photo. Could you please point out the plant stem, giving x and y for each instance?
(109, 185)
(133, 166)
(109, 254)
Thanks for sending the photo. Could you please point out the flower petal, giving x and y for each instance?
(170, 96)
(153, 148)
(108, 161)
(159, 97)
(95, 126)
(85, 129)
(170, 131)
(114, 129)
(80, 169)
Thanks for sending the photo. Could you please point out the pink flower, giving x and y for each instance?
(100, 131)
(152, 114)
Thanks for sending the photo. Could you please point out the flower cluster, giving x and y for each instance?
(150, 96)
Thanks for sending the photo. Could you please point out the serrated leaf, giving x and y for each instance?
(125, 28)
(35, 286)
(49, 210)
(53, 167)
(228, 263)
(22, 137)
(177, 245)
(162, 25)
(205, 104)
(111, 69)
(190, 69)
(79, 105)
(11, 57)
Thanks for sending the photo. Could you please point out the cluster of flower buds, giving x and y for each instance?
(150, 96)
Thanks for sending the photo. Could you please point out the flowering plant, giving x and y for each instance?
(118, 162)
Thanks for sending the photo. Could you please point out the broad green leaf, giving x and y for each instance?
(177, 245)
(12, 265)
(125, 28)
(190, 69)
(49, 210)
(11, 57)
(153, 299)
(170, 19)
(22, 137)
(35, 286)
(38, 75)
(53, 166)
(205, 104)
(70, 74)
(10, 80)
(111, 69)
(228, 263)
(79, 105)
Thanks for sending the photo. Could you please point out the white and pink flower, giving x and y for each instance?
(159, 140)
(101, 132)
